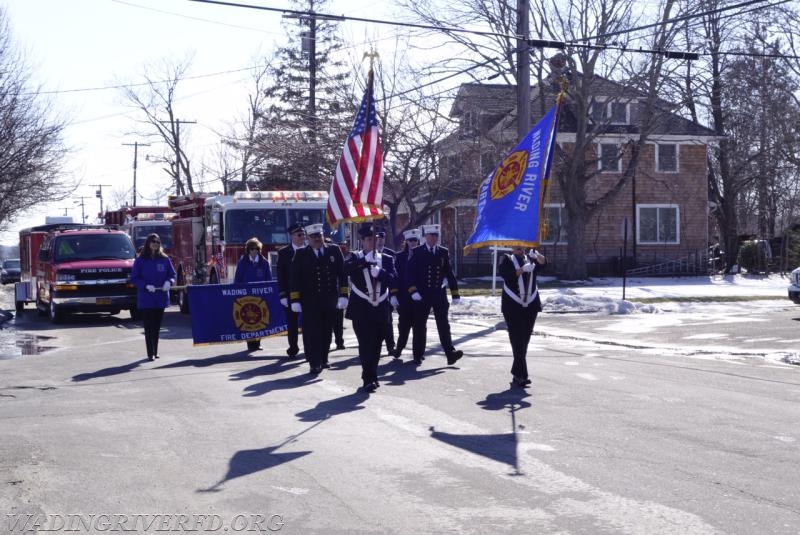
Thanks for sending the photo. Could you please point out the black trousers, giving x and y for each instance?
(388, 329)
(422, 309)
(338, 328)
(520, 321)
(367, 324)
(152, 325)
(291, 329)
(405, 319)
(317, 332)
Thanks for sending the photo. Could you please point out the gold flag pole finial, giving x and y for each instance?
(371, 55)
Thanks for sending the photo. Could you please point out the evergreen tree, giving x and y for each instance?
(301, 137)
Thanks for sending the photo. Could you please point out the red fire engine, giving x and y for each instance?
(209, 231)
(75, 268)
(140, 221)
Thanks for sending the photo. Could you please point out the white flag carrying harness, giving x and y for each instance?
(375, 296)
(525, 296)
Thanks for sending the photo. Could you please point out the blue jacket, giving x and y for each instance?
(155, 271)
(249, 271)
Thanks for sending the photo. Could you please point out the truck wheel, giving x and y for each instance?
(41, 309)
(56, 315)
(183, 301)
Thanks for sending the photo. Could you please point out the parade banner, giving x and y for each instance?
(224, 313)
(510, 199)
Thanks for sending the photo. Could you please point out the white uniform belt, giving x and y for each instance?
(518, 299)
(381, 298)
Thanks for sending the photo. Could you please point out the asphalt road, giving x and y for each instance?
(619, 433)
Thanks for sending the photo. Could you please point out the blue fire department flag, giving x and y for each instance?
(510, 199)
(223, 313)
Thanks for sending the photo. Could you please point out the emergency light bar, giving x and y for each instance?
(153, 217)
(280, 196)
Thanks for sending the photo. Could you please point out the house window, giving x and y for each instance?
(667, 158)
(618, 112)
(657, 223)
(488, 163)
(611, 112)
(608, 158)
(555, 215)
(453, 167)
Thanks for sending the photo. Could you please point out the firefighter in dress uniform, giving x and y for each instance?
(426, 274)
(373, 284)
(520, 305)
(405, 310)
(388, 326)
(297, 237)
(318, 289)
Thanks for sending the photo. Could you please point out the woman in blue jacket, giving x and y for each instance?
(153, 275)
(252, 267)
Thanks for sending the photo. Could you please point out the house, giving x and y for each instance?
(656, 213)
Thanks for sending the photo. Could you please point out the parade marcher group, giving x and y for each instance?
(153, 276)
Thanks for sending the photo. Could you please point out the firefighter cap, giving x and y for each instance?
(316, 228)
(412, 234)
(430, 229)
(366, 230)
(294, 227)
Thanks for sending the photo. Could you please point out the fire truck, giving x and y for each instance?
(75, 268)
(209, 231)
(140, 221)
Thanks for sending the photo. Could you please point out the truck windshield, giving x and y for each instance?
(93, 247)
(141, 232)
(269, 224)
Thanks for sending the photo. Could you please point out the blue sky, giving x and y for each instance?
(73, 46)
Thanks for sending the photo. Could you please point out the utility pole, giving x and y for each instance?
(523, 71)
(83, 211)
(177, 122)
(136, 145)
(99, 195)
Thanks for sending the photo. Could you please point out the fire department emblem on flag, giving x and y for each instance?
(509, 175)
(250, 313)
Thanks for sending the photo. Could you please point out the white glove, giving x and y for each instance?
(374, 271)
(455, 301)
(150, 288)
(342, 303)
(416, 297)
(166, 286)
(527, 268)
(296, 308)
(394, 302)
(284, 302)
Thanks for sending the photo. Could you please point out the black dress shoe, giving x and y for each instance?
(369, 387)
(340, 346)
(156, 356)
(396, 353)
(417, 362)
(326, 365)
(315, 370)
(453, 356)
(520, 381)
(377, 384)
(151, 357)
(292, 351)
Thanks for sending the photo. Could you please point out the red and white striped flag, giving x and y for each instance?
(357, 188)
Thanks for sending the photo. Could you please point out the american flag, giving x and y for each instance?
(357, 188)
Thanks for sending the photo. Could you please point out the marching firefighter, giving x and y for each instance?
(297, 235)
(426, 274)
(405, 310)
(372, 281)
(318, 289)
(520, 305)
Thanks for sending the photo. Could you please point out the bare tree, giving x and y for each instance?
(31, 144)
(156, 100)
